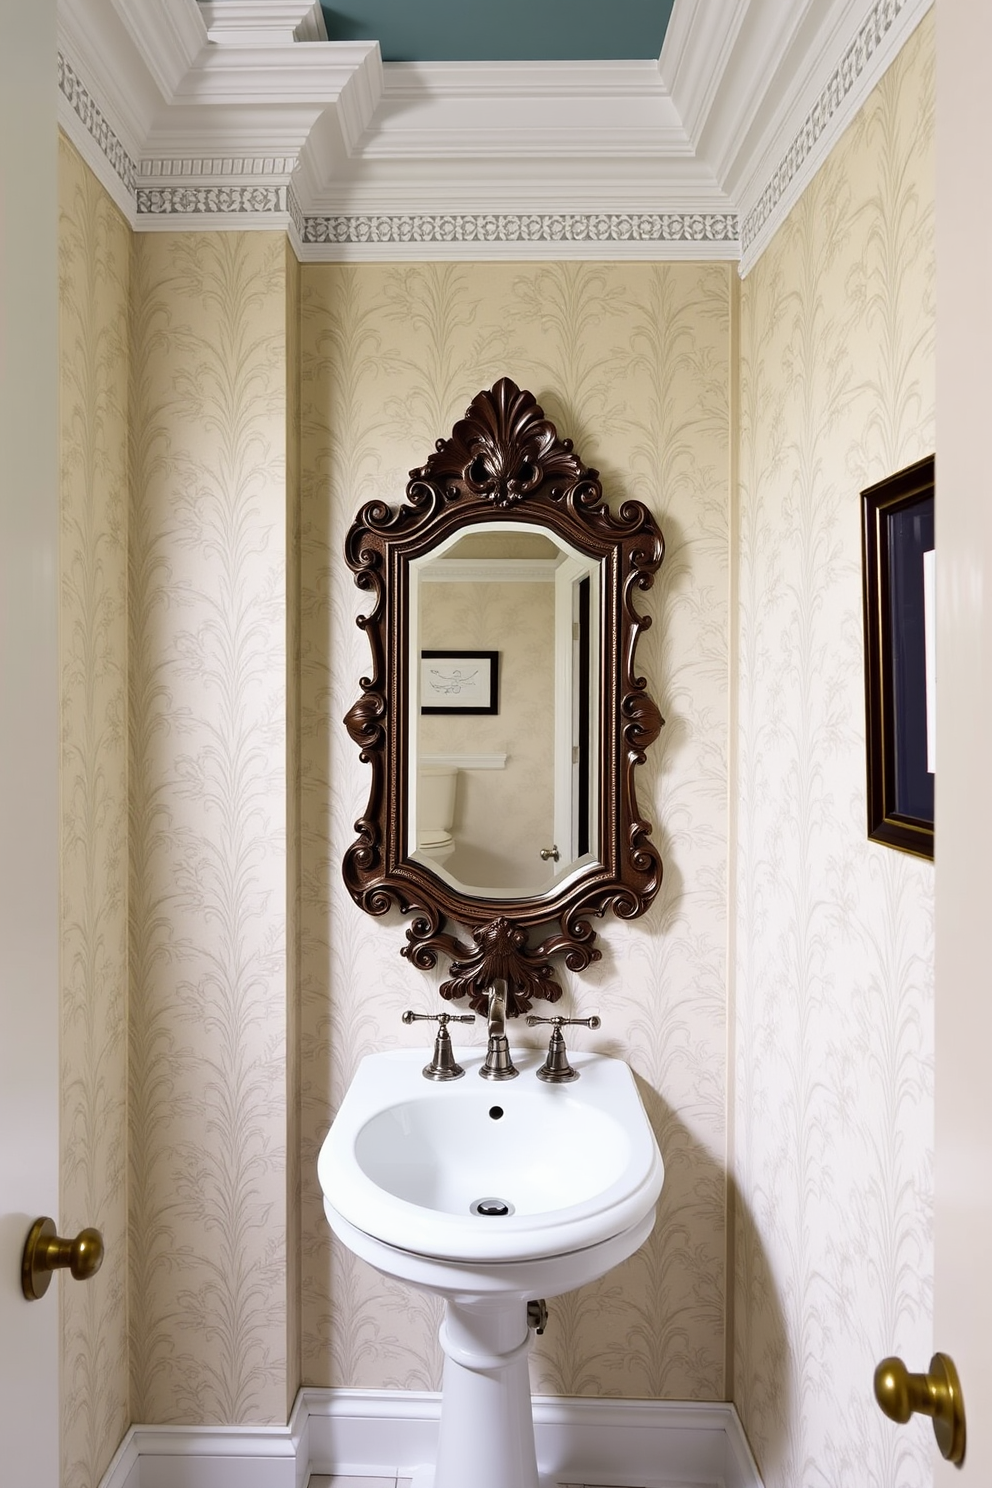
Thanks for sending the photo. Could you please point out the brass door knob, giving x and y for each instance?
(936, 1394)
(45, 1252)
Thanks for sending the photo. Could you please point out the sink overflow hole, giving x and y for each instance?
(491, 1208)
(495, 1112)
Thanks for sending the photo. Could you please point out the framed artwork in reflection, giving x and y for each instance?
(459, 681)
(899, 605)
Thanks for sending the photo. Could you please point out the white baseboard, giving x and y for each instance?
(380, 1433)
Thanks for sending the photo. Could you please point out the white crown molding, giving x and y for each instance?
(823, 102)
(695, 55)
(757, 47)
(312, 26)
(168, 37)
(477, 138)
(235, 114)
(201, 128)
(258, 24)
(96, 45)
(389, 1433)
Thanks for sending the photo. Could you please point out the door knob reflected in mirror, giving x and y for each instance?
(936, 1394)
(45, 1252)
(551, 853)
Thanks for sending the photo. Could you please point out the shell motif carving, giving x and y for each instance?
(502, 450)
(503, 460)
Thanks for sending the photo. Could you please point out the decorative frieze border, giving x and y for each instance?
(213, 201)
(530, 227)
(90, 115)
(298, 222)
(825, 121)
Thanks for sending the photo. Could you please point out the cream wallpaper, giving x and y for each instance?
(94, 277)
(212, 1120)
(631, 361)
(833, 1100)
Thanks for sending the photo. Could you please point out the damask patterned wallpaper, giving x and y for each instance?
(833, 1071)
(212, 1074)
(94, 281)
(632, 362)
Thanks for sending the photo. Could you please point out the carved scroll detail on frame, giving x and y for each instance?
(503, 461)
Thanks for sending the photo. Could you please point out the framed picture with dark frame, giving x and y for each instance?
(459, 681)
(899, 601)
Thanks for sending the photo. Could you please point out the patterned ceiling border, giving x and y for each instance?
(845, 76)
(210, 201)
(525, 227)
(90, 115)
(296, 218)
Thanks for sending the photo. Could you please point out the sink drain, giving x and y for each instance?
(491, 1208)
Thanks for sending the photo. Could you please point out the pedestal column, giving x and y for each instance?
(487, 1427)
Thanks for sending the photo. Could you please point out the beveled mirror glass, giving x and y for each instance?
(503, 799)
(503, 719)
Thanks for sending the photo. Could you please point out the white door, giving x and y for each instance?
(564, 828)
(572, 736)
(963, 1237)
(29, 1350)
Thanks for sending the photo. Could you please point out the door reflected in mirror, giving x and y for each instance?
(503, 802)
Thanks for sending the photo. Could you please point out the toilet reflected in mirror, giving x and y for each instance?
(436, 788)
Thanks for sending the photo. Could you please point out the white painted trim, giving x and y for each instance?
(695, 61)
(823, 104)
(579, 245)
(168, 37)
(384, 1433)
(215, 1456)
(249, 23)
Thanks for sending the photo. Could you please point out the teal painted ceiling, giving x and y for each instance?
(503, 30)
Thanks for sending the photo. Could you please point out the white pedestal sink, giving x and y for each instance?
(489, 1194)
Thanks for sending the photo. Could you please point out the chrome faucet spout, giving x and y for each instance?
(498, 1065)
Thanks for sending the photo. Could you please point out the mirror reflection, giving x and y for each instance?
(504, 663)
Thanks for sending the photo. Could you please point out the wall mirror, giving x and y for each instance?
(503, 718)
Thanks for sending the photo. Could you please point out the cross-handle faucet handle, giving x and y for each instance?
(443, 1018)
(556, 1069)
(443, 1065)
(593, 1022)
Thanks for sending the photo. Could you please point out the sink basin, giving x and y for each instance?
(480, 1171)
(489, 1194)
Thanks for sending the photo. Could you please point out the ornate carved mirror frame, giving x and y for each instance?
(503, 462)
